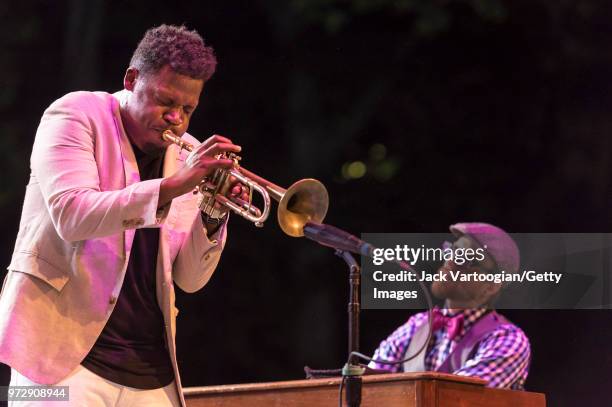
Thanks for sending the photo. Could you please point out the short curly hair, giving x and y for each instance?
(182, 50)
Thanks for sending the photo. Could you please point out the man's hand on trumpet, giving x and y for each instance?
(236, 192)
(239, 193)
(200, 163)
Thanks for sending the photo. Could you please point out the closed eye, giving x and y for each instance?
(164, 102)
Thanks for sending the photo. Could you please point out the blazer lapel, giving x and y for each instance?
(164, 266)
(130, 167)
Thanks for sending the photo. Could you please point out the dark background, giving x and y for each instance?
(460, 110)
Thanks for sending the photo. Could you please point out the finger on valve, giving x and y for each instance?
(215, 138)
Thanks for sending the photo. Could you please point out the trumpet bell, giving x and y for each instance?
(305, 201)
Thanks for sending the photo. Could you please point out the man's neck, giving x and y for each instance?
(129, 126)
(126, 120)
(457, 306)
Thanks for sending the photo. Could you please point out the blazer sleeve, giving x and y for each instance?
(63, 163)
(198, 256)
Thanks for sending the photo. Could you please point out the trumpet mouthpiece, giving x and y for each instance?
(168, 135)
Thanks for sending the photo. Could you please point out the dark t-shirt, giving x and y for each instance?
(132, 350)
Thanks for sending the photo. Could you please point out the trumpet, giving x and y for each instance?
(304, 201)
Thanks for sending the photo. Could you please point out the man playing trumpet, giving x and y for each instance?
(109, 225)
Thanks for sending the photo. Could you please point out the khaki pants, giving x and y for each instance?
(88, 389)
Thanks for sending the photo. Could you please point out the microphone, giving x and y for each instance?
(331, 236)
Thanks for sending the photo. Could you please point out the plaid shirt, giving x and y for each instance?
(501, 358)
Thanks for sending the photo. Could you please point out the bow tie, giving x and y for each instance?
(453, 325)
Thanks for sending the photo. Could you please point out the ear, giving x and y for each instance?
(129, 80)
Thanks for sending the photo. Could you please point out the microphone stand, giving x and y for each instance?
(352, 372)
(344, 243)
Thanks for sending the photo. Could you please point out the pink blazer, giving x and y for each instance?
(81, 207)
